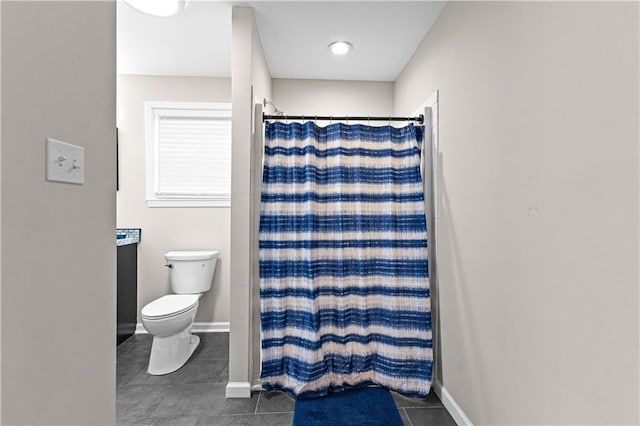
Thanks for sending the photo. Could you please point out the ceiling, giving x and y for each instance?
(295, 36)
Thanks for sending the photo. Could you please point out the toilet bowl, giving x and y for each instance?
(170, 318)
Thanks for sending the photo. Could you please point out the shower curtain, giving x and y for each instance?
(344, 288)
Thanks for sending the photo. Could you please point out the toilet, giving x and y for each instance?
(169, 318)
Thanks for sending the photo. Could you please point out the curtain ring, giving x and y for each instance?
(331, 119)
(315, 120)
(347, 120)
(368, 120)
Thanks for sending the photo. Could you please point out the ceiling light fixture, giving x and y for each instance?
(340, 47)
(158, 8)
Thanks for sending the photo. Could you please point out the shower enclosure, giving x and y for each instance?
(429, 173)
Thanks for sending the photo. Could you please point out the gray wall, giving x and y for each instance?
(58, 245)
(538, 250)
(165, 229)
(333, 97)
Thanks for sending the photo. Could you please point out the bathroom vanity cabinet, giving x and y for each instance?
(127, 299)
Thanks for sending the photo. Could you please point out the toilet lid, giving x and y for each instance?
(170, 305)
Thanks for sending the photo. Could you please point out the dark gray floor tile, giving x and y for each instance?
(137, 346)
(193, 372)
(432, 416)
(274, 419)
(127, 369)
(213, 346)
(275, 402)
(431, 400)
(201, 400)
(137, 402)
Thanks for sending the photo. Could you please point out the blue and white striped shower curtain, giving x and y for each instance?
(344, 282)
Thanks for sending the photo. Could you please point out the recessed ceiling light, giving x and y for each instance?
(340, 47)
(158, 8)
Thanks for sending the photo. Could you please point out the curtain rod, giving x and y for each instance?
(265, 117)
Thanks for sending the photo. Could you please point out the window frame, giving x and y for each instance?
(155, 109)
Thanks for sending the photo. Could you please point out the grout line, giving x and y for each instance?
(407, 415)
(257, 402)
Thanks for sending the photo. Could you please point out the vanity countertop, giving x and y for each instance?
(125, 236)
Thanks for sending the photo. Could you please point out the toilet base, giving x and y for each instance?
(170, 353)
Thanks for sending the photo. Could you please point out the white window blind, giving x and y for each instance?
(189, 154)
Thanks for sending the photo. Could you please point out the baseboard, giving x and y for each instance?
(211, 327)
(451, 405)
(198, 327)
(238, 390)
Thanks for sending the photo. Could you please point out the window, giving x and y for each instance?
(188, 154)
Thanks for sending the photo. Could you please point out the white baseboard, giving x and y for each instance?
(198, 327)
(211, 327)
(451, 405)
(238, 390)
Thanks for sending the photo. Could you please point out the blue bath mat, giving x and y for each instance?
(361, 407)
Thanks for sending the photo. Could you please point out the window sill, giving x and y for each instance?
(223, 203)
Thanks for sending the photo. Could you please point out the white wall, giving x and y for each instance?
(538, 250)
(58, 245)
(260, 74)
(165, 229)
(0, 213)
(333, 97)
(250, 81)
(261, 84)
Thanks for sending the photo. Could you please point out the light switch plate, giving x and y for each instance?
(65, 162)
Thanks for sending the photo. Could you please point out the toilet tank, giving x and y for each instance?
(191, 272)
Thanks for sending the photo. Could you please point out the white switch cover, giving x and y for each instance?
(65, 162)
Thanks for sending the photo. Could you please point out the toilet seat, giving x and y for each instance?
(169, 306)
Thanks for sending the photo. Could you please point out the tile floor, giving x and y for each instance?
(194, 395)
